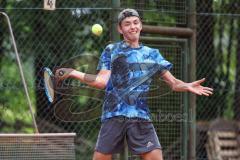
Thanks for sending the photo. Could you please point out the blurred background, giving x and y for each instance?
(200, 37)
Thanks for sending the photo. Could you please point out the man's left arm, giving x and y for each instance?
(180, 86)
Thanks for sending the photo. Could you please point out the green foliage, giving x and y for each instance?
(218, 29)
(15, 112)
(44, 38)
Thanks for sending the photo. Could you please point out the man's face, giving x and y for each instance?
(130, 28)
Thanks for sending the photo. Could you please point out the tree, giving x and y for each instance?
(205, 54)
(237, 78)
(3, 5)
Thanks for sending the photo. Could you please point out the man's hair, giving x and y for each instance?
(127, 13)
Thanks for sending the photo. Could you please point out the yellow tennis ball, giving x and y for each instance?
(97, 29)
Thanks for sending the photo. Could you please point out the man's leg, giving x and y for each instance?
(101, 156)
(142, 140)
(155, 154)
(110, 139)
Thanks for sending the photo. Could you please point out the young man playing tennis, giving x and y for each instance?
(125, 70)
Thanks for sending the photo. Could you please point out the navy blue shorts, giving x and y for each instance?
(140, 135)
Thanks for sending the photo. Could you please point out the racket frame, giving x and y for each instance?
(46, 89)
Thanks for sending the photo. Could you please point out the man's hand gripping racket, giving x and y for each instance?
(51, 81)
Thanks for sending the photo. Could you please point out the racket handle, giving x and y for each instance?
(61, 73)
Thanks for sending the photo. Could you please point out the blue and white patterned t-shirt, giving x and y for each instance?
(131, 73)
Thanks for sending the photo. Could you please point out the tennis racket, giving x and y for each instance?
(50, 83)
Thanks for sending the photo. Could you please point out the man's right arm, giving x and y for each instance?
(98, 81)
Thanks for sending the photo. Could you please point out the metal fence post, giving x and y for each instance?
(192, 76)
(115, 10)
(116, 4)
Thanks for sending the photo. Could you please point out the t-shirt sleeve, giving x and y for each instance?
(105, 58)
(161, 61)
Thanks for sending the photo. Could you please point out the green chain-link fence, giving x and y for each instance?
(218, 61)
(63, 38)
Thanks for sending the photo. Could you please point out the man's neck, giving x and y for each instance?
(134, 44)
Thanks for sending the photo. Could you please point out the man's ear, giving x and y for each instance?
(141, 25)
(119, 29)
